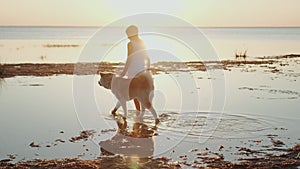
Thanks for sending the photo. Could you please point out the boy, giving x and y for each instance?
(137, 57)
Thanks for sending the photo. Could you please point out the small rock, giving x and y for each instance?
(11, 156)
(182, 156)
(202, 153)
(5, 160)
(277, 143)
(221, 147)
(32, 144)
(258, 141)
(60, 140)
(194, 150)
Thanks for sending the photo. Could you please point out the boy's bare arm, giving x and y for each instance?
(129, 48)
(147, 63)
(129, 52)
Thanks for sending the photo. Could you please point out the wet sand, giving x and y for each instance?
(101, 162)
(288, 158)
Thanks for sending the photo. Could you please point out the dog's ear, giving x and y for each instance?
(102, 74)
(106, 73)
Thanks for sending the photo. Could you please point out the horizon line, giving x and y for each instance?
(87, 26)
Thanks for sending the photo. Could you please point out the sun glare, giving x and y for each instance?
(127, 8)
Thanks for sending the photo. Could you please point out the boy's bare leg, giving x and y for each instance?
(137, 106)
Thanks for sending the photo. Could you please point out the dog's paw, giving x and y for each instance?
(139, 119)
(157, 121)
(114, 112)
(137, 113)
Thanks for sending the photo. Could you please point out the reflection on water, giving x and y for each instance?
(2, 81)
(136, 143)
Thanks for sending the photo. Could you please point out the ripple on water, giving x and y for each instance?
(193, 125)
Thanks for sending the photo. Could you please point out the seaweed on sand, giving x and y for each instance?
(1, 70)
(1, 75)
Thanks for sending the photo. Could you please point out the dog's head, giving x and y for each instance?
(105, 80)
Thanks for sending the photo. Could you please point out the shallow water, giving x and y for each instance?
(260, 107)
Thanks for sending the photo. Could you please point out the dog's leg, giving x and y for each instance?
(113, 112)
(124, 106)
(152, 110)
(137, 104)
(141, 115)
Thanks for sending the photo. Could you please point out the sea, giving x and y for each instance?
(202, 112)
(96, 44)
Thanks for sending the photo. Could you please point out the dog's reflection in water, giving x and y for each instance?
(136, 143)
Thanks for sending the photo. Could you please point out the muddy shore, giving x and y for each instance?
(31, 69)
(290, 159)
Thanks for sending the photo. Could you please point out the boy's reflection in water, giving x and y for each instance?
(137, 144)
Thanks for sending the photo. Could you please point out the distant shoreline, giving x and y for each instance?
(102, 26)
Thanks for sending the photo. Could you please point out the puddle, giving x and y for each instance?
(39, 119)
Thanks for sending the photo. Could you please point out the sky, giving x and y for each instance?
(205, 13)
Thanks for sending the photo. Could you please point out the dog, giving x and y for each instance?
(140, 87)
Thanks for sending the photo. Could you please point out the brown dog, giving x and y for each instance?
(140, 87)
